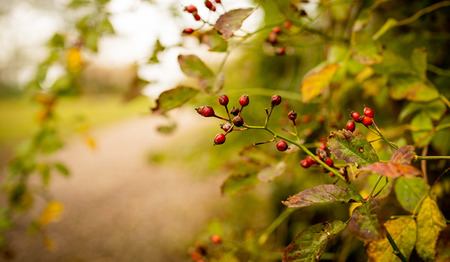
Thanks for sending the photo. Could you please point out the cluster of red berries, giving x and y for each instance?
(366, 119)
(200, 250)
(321, 154)
(193, 10)
(273, 37)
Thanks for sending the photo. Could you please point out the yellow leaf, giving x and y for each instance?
(314, 82)
(355, 204)
(90, 142)
(52, 213)
(403, 231)
(74, 59)
(48, 242)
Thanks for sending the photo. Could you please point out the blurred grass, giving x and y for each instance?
(18, 114)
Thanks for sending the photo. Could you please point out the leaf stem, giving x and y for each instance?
(431, 158)
(397, 251)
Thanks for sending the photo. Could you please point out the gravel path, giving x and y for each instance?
(118, 207)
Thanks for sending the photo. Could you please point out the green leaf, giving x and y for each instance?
(316, 80)
(385, 184)
(62, 169)
(78, 3)
(430, 221)
(231, 21)
(239, 183)
(44, 170)
(321, 194)
(57, 41)
(421, 127)
(440, 139)
(158, 47)
(419, 62)
(352, 148)
(271, 172)
(193, 66)
(310, 244)
(435, 109)
(412, 88)
(364, 222)
(410, 191)
(443, 245)
(403, 232)
(363, 20)
(215, 42)
(91, 40)
(173, 98)
(393, 63)
(367, 52)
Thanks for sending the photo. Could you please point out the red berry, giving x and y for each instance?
(367, 121)
(323, 146)
(282, 145)
(200, 110)
(218, 1)
(223, 100)
(287, 24)
(276, 30)
(213, 8)
(356, 117)
(272, 38)
(292, 115)
(207, 111)
(216, 239)
(368, 112)
(197, 17)
(219, 139)
(226, 126)
(244, 100)
(281, 51)
(312, 160)
(191, 9)
(188, 31)
(276, 100)
(328, 161)
(305, 163)
(208, 4)
(351, 125)
(235, 111)
(238, 121)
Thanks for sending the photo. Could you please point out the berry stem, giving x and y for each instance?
(375, 186)
(308, 152)
(397, 251)
(432, 157)
(216, 116)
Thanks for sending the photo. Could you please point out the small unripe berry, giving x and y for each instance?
(276, 100)
(367, 121)
(351, 125)
(368, 112)
(238, 121)
(282, 145)
(208, 4)
(235, 111)
(191, 9)
(292, 115)
(276, 30)
(207, 111)
(329, 162)
(305, 163)
(216, 239)
(188, 31)
(356, 117)
(244, 100)
(219, 139)
(197, 17)
(223, 100)
(200, 110)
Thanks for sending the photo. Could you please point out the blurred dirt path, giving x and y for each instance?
(119, 207)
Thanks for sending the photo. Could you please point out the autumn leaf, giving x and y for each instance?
(398, 165)
(310, 244)
(352, 148)
(321, 194)
(364, 222)
(52, 213)
(231, 21)
(173, 98)
(316, 80)
(403, 232)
